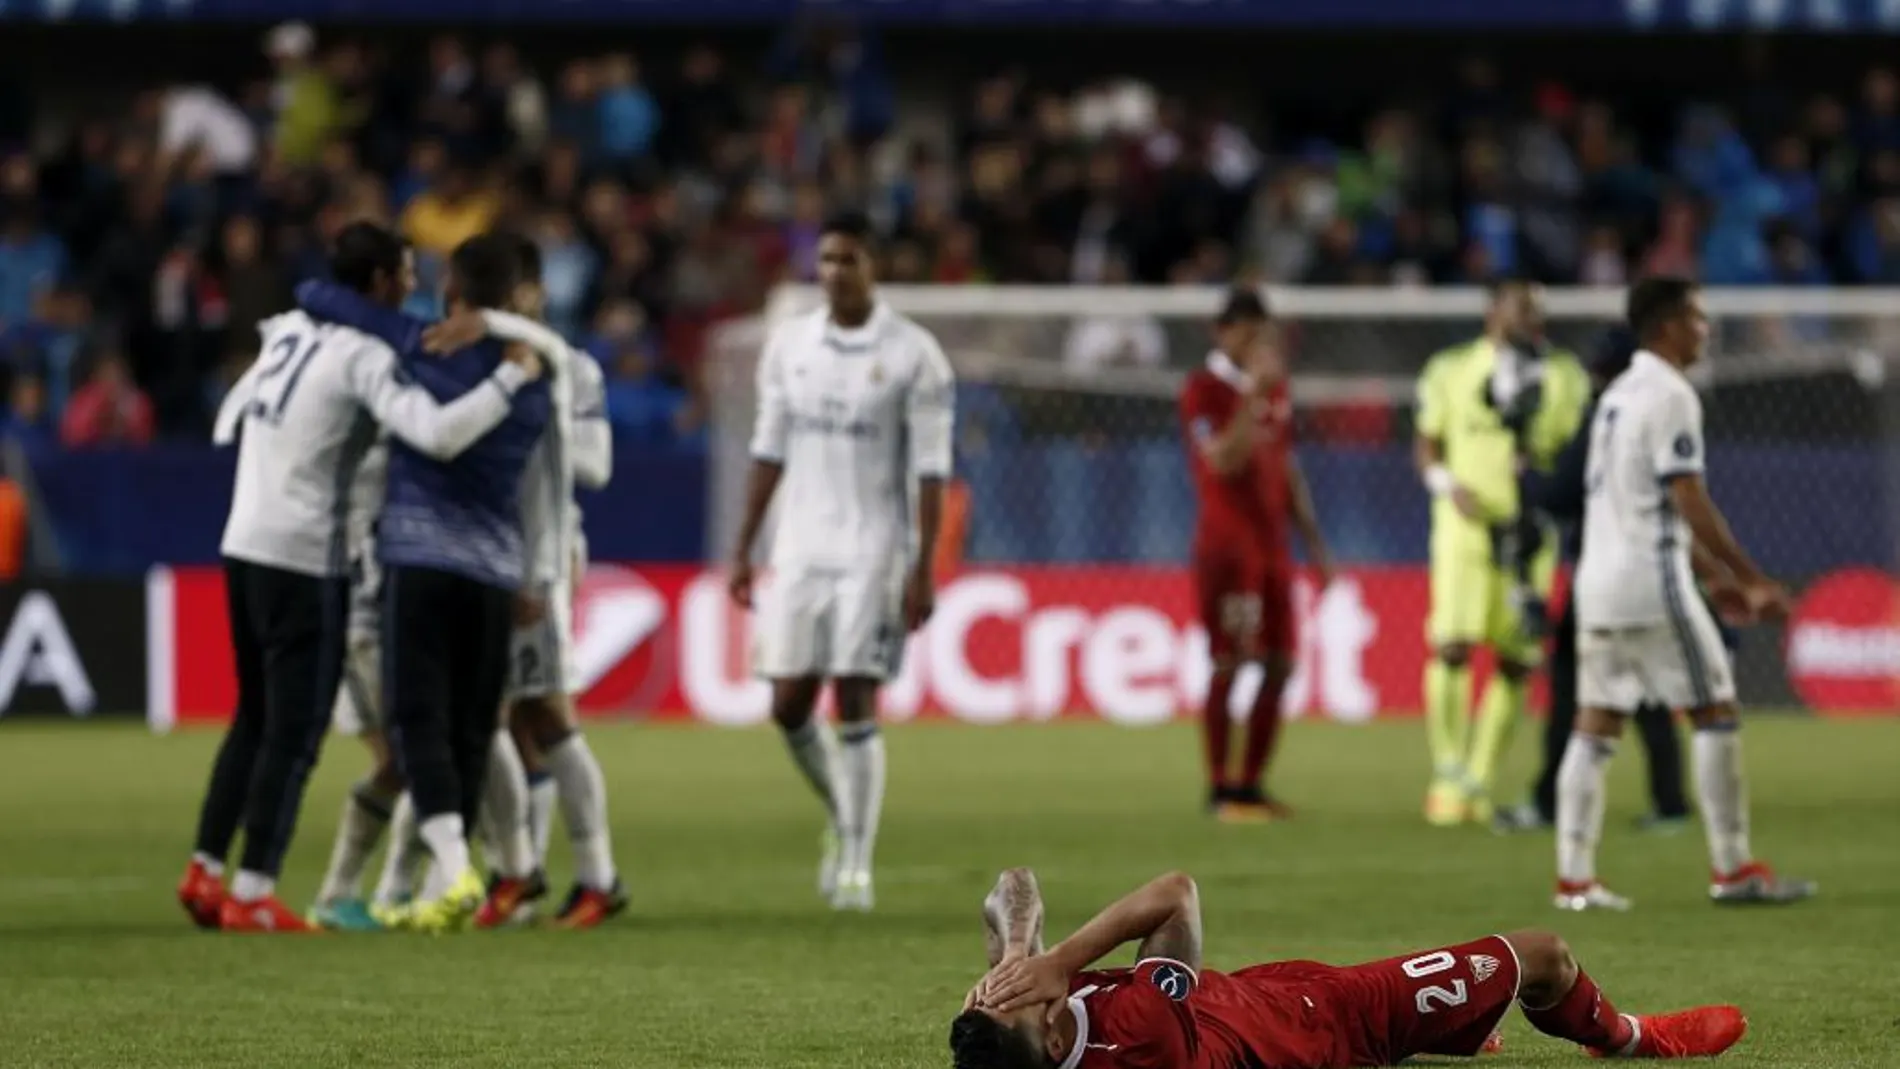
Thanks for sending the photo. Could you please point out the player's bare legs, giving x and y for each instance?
(1498, 715)
(1560, 999)
(581, 789)
(1448, 730)
(815, 752)
(860, 789)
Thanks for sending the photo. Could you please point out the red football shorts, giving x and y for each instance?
(1246, 606)
(1445, 1001)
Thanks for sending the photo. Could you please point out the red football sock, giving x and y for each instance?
(1584, 1016)
(1216, 725)
(1263, 730)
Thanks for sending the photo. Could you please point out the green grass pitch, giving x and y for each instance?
(729, 960)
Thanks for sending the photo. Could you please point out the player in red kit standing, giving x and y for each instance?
(1237, 417)
(1038, 1009)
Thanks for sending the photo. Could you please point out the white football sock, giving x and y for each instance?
(252, 886)
(541, 802)
(862, 761)
(447, 840)
(404, 858)
(1580, 800)
(816, 754)
(212, 866)
(1717, 753)
(504, 815)
(364, 817)
(583, 794)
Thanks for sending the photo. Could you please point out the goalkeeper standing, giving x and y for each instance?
(1488, 409)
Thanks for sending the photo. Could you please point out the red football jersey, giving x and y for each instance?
(1246, 512)
(1161, 1015)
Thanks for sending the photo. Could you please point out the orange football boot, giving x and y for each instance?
(202, 895)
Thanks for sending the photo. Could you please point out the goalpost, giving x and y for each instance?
(1069, 448)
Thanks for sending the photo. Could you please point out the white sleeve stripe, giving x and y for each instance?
(1192, 971)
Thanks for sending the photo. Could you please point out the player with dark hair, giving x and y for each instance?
(1650, 530)
(308, 410)
(451, 542)
(1488, 409)
(855, 411)
(1237, 417)
(1038, 1009)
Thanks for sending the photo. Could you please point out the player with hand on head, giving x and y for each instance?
(1237, 416)
(1643, 631)
(1486, 411)
(1038, 1009)
(856, 405)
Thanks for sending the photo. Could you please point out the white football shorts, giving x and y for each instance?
(832, 623)
(1680, 663)
(541, 654)
(359, 699)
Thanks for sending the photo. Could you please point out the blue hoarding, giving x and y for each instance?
(1802, 15)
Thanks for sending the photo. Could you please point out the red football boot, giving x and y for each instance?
(202, 895)
(1699, 1033)
(507, 897)
(1493, 1044)
(587, 907)
(264, 915)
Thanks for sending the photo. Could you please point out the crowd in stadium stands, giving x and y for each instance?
(136, 255)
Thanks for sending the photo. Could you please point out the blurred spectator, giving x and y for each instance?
(629, 119)
(1113, 340)
(197, 117)
(32, 258)
(1793, 263)
(109, 410)
(513, 94)
(449, 211)
(251, 286)
(568, 265)
(311, 105)
(29, 418)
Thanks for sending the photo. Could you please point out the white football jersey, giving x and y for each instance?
(855, 416)
(550, 519)
(309, 409)
(1647, 432)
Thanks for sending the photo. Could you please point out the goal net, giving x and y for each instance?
(1077, 508)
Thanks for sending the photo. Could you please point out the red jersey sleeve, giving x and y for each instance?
(1144, 1022)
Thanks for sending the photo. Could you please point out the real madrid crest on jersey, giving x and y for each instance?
(877, 374)
(1173, 979)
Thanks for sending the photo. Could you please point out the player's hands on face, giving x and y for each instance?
(920, 597)
(459, 331)
(739, 583)
(526, 359)
(1013, 985)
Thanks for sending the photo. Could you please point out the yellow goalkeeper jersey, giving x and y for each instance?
(1477, 448)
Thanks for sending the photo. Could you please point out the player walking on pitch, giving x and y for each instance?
(1035, 1009)
(1643, 632)
(1486, 409)
(855, 415)
(1237, 416)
